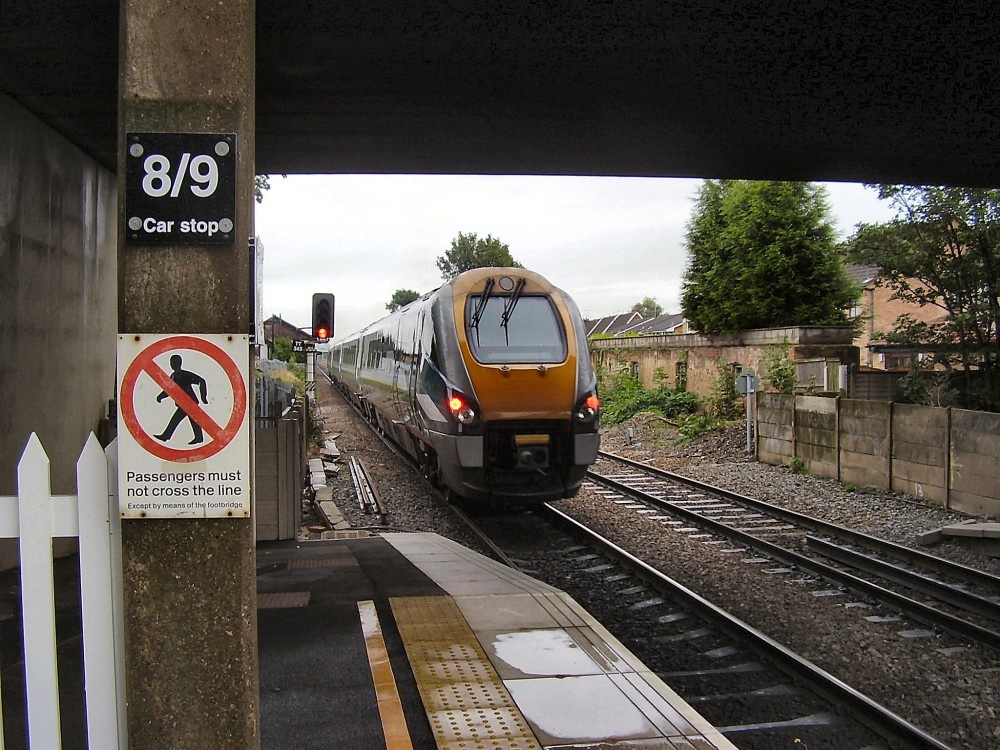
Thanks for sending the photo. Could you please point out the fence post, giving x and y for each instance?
(34, 507)
(100, 600)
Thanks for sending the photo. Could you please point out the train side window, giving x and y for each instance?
(533, 333)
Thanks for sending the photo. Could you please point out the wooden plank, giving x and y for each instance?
(38, 597)
(103, 667)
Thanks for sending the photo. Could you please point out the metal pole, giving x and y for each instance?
(749, 430)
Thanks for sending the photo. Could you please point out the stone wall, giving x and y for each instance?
(700, 356)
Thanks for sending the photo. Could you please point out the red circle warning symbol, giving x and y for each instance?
(183, 388)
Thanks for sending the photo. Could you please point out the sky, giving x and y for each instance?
(607, 241)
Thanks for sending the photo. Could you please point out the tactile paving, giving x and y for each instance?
(283, 600)
(467, 703)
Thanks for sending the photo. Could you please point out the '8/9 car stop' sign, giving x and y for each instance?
(184, 429)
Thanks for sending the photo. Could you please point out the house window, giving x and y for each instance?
(898, 361)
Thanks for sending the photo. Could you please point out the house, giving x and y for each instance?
(632, 323)
(276, 327)
(878, 312)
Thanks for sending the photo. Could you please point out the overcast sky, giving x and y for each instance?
(607, 241)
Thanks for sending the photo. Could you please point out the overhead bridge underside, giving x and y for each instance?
(804, 90)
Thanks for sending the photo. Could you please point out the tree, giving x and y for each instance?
(261, 184)
(943, 249)
(401, 298)
(468, 251)
(763, 255)
(648, 308)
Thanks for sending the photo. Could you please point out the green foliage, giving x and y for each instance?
(648, 308)
(724, 401)
(763, 255)
(468, 251)
(942, 250)
(623, 396)
(282, 350)
(261, 184)
(401, 298)
(778, 370)
(696, 425)
(796, 465)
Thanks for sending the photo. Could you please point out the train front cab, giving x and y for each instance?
(535, 430)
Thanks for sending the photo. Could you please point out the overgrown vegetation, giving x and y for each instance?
(778, 370)
(294, 374)
(623, 396)
(724, 403)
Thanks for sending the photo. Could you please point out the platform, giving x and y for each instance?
(414, 641)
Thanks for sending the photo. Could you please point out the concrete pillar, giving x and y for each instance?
(187, 66)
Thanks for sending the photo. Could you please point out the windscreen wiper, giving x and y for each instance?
(484, 297)
(509, 304)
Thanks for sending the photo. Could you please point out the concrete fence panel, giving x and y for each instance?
(975, 462)
(920, 451)
(816, 434)
(775, 437)
(865, 443)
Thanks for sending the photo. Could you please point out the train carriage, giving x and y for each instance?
(486, 382)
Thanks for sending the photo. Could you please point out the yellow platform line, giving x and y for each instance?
(467, 703)
(390, 708)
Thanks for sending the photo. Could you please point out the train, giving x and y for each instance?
(486, 382)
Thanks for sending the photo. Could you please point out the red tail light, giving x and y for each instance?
(587, 408)
(461, 409)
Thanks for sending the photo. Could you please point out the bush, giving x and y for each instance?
(623, 396)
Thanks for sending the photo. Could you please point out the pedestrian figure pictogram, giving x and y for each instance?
(169, 469)
(147, 378)
(186, 381)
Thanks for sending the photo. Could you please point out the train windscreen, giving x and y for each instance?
(514, 329)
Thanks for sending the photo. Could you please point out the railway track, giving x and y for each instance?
(759, 693)
(935, 592)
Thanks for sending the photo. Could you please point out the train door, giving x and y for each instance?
(419, 350)
(405, 356)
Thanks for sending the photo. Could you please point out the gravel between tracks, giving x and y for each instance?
(950, 692)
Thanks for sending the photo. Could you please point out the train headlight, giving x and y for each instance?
(462, 410)
(588, 408)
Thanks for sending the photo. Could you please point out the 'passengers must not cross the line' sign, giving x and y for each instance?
(184, 437)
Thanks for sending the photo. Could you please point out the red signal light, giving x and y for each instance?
(456, 404)
(322, 333)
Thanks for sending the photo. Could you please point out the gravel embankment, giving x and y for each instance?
(947, 690)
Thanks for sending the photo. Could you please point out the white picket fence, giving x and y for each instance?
(37, 517)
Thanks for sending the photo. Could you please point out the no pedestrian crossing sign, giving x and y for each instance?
(184, 429)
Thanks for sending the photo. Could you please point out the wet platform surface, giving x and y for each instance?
(413, 641)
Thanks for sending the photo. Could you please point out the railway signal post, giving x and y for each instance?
(748, 383)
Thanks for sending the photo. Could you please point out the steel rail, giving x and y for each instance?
(962, 572)
(484, 537)
(913, 609)
(874, 715)
(941, 591)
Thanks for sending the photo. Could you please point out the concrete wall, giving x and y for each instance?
(947, 456)
(58, 296)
